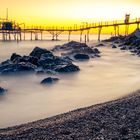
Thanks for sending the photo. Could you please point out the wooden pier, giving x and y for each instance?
(10, 28)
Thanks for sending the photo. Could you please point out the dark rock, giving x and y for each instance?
(37, 52)
(7, 62)
(72, 48)
(123, 48)
(30, 59)
(68, 68)
(49, 80)
(20, 67)
(2, 90)
(117, 39)
(39, 59)
(100, 45)
(81, 57)
(47, 56)
(96, 50)
(114, 46)
(14, 56)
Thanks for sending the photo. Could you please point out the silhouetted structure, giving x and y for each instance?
(8, 28)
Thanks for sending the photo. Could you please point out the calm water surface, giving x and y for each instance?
(113, 75)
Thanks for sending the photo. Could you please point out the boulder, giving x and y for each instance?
(81, 56)
(14, 56)
(73, 47)
(37, 52)
(49, 80)
(2, 90)
(67, 68)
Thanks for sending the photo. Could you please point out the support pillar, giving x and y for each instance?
(88, 35)
(81, 35)
(126, 29)
(115, 30)
(69, 35)
(118, 32)
(138, 25)
(31, 36)
(41, 36)
(99, 33)
(24, 34)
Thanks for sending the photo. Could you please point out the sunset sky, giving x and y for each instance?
(68, 12)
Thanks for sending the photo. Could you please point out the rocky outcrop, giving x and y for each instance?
(115, 39)
(74, 48)
(37, 52)
(39, 60)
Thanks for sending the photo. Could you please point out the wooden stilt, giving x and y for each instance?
(81, 35)
(99, 33)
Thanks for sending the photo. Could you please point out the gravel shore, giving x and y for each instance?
(115, 120)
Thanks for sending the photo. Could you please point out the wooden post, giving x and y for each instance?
(99, 33)
(41, 35)
(88, 35)
(9, 36)
(20, 36)
(81, 35)
(31, 36)
(85, 38)
(115, 30)
(138, 25)
(69, 35)
(118, 30)
(24, 34)
(126, 29)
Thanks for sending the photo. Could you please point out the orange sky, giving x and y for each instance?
(68, 12)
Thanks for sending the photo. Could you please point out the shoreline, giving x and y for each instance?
(111, 120)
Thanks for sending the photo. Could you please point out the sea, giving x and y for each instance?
(114, 75)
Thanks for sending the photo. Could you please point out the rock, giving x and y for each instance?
(30, 59)
(2, 90)
(100, 45)
(123, 48)
(72, 48)
(68, 68)
(49, 80)
(39, 59)
(81, 57)
(37, 52)
(114, 46)
(14, 56)
(117, 39)
(20, 67)
(7, 62)
(96, 50)
(47, 56)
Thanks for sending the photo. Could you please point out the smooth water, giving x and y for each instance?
(113, 75)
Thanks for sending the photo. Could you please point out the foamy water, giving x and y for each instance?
(113, 75)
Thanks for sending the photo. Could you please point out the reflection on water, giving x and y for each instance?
(102, 79)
